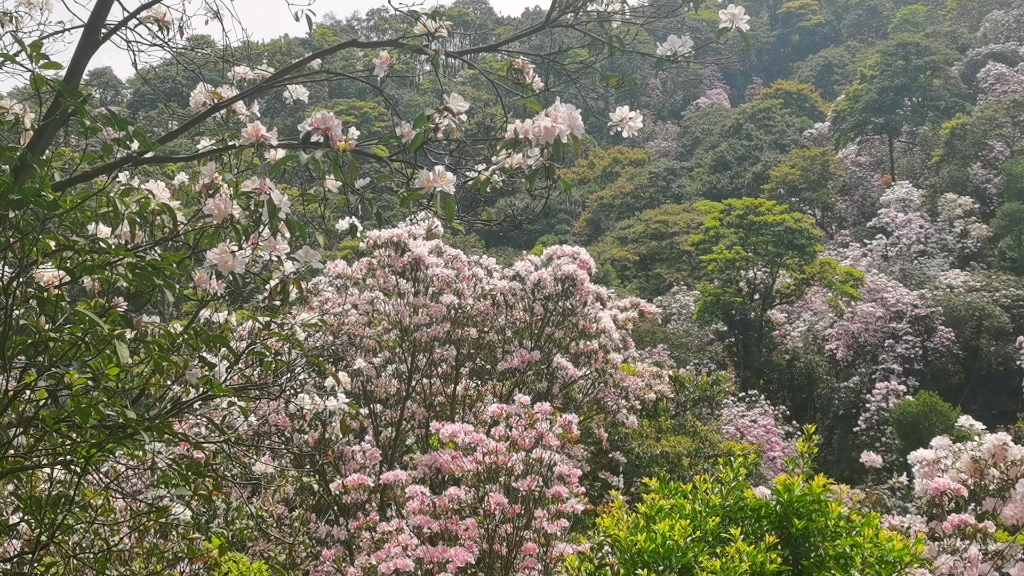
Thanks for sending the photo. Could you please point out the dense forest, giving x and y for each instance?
(604, 288)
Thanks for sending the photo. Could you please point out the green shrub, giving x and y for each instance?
(234, 564)
(678, 438)
(719, 525)
(920, 418)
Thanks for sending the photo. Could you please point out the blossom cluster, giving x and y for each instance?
(324, 126)
(455, 427)
(913, 246)
(964, 493)
(529, 73)
(750, 419)
(16, 111)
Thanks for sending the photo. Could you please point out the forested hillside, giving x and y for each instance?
(602, 288)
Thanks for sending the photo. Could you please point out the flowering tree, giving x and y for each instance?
(913, 246)
(882, 347)
(750, 419)
(967, 500)
(460, 419)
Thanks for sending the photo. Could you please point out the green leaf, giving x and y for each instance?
(420, 121)
(82, 412)
(37, 82)
(533, 105)
(122, 353)
(94, 318)
(417, 141)
(450, 204)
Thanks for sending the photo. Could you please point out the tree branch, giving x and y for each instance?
(57, 114)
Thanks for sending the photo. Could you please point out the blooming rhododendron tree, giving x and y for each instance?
(913, 246)
(968, 502)
(456, 428)
(749, 418)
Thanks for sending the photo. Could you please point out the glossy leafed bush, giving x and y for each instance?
(723, 524)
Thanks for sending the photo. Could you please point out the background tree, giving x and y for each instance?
(810, 180)
(906, 83)
(652, 251)
(758, 256)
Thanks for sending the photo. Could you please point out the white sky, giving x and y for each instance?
(265, 19)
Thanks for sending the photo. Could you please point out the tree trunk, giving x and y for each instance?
(56, 115)
(892, 158)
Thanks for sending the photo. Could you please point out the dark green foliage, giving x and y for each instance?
(729, 153)
(633, 192)
(907, 82)
(1008, 237)
(922, 417)
(651, 252)
(678, 438)
(1013, 174)
(910, 19)
(831, 71)
(865, 19)
(966, 141)
(986, 318)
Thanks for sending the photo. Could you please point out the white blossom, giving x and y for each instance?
(406, 132)
(50, 277)
(382, 63)
(295, 92)
(345, 225)
(256, 133)
(629, 122)
(307, 256)
(275, 154)
(221, 207)
(436, 179)
(226, 258)
(160, 16)
(733, 17)
(675, 46)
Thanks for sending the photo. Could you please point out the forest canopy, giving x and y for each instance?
(604, 287)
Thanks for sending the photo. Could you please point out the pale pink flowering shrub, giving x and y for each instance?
(967, 500)
(882, 347)
(889, 334)
(749, 418)
(914, 246)
(424, 321)
(497, 499)
(458, 423)
(997, 80)
(870, 459)
(715, 97)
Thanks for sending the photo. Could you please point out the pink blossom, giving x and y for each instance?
(870, 459)
(257, 133)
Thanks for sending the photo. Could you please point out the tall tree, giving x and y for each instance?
(908, 82)
(759, 255)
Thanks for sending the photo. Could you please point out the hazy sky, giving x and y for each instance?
(265, 19)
